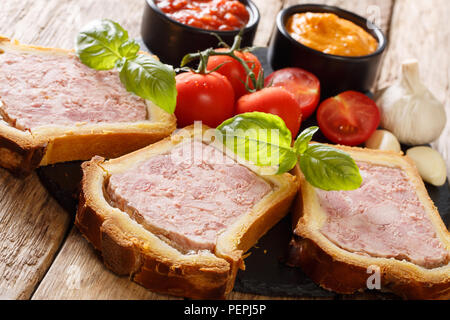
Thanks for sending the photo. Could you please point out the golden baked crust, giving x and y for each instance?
(26, 150)
(130, 249)
(345, 272)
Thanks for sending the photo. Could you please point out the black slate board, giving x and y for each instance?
(266, 274)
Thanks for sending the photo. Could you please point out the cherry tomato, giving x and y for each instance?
(350, 118)
(234, 71)
(273, 100)
(205, 97)
(302, 84)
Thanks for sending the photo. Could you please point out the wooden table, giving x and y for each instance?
(43, 256)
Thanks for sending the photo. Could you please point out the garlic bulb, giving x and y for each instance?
(409, 110)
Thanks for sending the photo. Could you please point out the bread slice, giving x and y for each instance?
(335, 266)
(146, 254)
(22, 150)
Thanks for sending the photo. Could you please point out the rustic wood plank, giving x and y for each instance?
(420, 30)
(31, 231)
(268, 10)
(78, 274)
(56, 22)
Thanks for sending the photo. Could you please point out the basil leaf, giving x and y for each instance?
(260, 138)
(328, 168)
(150, 79)
(99, 44)
(129, 49)
(302, 142)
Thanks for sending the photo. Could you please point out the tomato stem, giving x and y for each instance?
(221, 42)
(256, 81)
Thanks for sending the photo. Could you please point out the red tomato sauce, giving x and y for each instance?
(220, 15)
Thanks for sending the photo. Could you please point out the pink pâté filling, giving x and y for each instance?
(40, 89)
(192, 195)
(383, 218)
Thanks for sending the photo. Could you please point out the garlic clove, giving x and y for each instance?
(430, 164)
(383, 140)
(409, 110)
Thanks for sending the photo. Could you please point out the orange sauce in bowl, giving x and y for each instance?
(328, 33)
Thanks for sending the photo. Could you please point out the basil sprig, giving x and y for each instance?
(264, 140)
(104, 45)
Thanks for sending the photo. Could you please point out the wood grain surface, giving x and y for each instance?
(56, 23)
(420, 29)
(78, 273)
(32, 227)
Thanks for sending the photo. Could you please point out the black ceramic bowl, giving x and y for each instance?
(336, 73)
(170, 40)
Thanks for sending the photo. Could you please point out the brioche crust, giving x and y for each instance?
(24, 150)
(129, 249)
(345, 272)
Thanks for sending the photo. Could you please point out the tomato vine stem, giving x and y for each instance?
(257, 82)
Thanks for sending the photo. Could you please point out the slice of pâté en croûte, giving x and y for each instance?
(178, 215)
(388, 225)
(55, 109)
